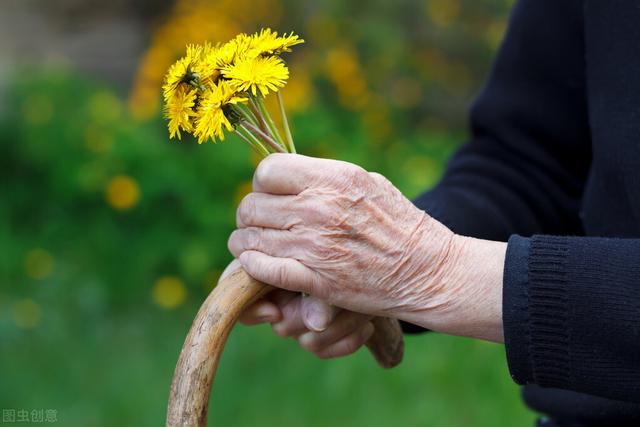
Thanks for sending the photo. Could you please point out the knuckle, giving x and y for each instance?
(281, 273)
(261, 175)
(246, 212)
(378, 179)
(245, 239)
(281, 329)
(357, 174)
(312, 344)
(350, 345)
(233, 243)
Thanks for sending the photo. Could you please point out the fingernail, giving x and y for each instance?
(318, 321)
(306, 338)
(267, 313)
(243, 258)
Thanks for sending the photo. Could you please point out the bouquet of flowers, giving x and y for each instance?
(217, 89)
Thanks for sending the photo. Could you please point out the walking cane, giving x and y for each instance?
(191, 385)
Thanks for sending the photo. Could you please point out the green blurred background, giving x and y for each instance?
(111, 235)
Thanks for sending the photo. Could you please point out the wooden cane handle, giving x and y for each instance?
(191, 385)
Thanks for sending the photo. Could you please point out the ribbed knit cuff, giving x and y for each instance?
(515, 309)
(548, 311)
(535, 310)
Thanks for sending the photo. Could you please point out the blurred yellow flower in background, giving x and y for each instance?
(122, 192)
(343, 69)
(169, 292)
(105, 108)
(443, 12)
(38, 264)
(26, 313)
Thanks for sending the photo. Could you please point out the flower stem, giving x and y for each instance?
(255, 144)
(246, 113)
(262, 123)
(266, 138)
(270, 123)
(285, 124)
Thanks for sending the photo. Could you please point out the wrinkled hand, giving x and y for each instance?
(319, 328)
(335, 231)
(348, 237)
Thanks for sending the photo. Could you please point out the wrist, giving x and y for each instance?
(478, 291)
(462, 292)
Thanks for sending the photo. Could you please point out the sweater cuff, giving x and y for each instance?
(535, 310)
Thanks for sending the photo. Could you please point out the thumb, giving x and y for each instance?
(317, 314)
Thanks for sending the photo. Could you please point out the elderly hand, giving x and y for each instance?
(349, 237)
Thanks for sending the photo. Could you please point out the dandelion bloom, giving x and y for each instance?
(212, 120)
(179, 109)
(267, 42)
(263, 73)
(204, 89)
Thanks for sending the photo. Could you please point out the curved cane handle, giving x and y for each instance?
(191, 385)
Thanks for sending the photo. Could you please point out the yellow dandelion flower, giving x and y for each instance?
(267, 42)
(175, 76)
(179, 109)
(211, 121)
(207, 66)
(187, 71)
(235, 50)
(263, 73)
(194, 53)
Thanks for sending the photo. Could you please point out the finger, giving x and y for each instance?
(345, 323)
(349, 344)
(284, 173)
(317, 314)
(291, 324)
(281, 297)
(262, 311)
(268, 211)
(279, 243)
(284, 273)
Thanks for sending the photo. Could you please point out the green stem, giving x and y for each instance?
(270, 123)
(256, 145)
(285, 124)
(246, 113)
(262, 122)
(255, 131)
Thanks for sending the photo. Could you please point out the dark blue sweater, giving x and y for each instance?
(555, 151)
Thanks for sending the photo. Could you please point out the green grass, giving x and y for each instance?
(117, 371)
